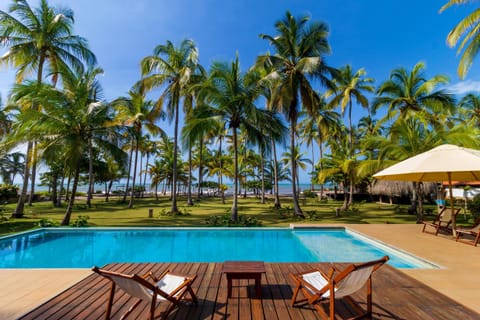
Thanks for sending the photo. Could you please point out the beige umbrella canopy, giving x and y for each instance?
(443, 163)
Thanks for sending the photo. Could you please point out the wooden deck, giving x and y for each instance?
(395, 296)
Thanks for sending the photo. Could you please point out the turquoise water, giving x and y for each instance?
(83, 248)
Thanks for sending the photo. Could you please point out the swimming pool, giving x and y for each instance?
(83, 248)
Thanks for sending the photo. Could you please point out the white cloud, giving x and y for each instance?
(464, 87)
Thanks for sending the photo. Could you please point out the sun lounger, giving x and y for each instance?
(474, 232)
(167, 287)
(442, 221)
(317, 286)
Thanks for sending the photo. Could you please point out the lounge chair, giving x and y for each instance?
(167, 287)
(475, 232)
(442, 221)
(318, 287)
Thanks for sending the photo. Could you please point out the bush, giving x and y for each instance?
(309, 194)
(8, 192)
(474, 207)
(46, 223)
(81, 221)
(224, 221)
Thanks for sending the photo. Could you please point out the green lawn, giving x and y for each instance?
(116, 214)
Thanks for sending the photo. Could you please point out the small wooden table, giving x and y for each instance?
(244, 270)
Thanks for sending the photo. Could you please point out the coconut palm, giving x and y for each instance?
(299, 50)
(468, 30)
(62, 124)
(408, 94)
(349, 86)
(231, 95)
(469, 107)
(37, 38)
(171, 68)
(136, 112)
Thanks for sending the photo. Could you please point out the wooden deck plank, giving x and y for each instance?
(396, 296)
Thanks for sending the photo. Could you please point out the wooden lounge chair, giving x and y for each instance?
(167, 287)
(317, 286)
(474, 232)
(442, 221)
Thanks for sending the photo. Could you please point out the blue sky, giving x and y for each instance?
(378, 35)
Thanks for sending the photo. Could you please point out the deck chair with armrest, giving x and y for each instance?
(318, 287)
(474, 232)
(167, 287)
(442, 221)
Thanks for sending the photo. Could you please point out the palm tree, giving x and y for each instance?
(37, 38)
(171, 68)
(231, 94)
(468, 30)
(300, 161)
(350, 86)
(63, 124)
(136, 112)
(410, 94)
(300, 47)
(469, 106)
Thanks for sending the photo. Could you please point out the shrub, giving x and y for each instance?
(81, 221)
(8, 192)
(309, 194)
(224, 221)
(46, 223)
(474, 207)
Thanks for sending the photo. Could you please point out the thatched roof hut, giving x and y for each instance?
(400, 188)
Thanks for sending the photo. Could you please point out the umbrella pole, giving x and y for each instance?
(454, 222)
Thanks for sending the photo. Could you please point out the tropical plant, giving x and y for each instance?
(231, 95)
(467, 29)
(38, 38)
(299, 50)
(408, 94)
(136, 112)
(171, 68)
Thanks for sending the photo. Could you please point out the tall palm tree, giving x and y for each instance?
(37, 38)
(469, 106)
(62, 124)
(171, 68)
(349, 86)
(136, 112)
(231, 95)
(299, 50)
(467, 29)
(408, 94)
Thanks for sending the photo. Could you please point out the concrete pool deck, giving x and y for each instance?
(459, 278)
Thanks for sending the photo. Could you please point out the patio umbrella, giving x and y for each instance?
(443, 163)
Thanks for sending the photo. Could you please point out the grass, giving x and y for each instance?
(117, 214)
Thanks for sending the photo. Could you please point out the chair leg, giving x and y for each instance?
(110, 301)
(295, 294)
(152, 307)
(369, 296)
(332, 300)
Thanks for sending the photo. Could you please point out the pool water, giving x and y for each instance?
(83, 248)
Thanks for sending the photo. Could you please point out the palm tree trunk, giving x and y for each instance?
(262, 168)
(200, 170)
(189, 190)
(130, 204)
(321, 166)
(59, 201)
(34, 173)
(90, 173)
(296, 207)
(174, 209)
(109, 189)
(68, 213)
(145, 175)
(277, 204)
(129, 171)
(18, 213)
(234, 215)
(54, 188)
(221, 170)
